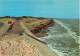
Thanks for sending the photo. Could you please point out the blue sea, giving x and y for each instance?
(63, 37)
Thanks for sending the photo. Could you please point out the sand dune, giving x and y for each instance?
(17, 43)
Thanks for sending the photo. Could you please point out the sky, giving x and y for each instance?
(40, 8)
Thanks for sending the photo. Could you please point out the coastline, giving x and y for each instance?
(39, 45)
(39, 48)
(44, 30)
(38, 27)
(62, 39)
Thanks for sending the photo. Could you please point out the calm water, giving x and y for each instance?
(64, 37)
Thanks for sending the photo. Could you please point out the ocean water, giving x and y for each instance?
(64, 37)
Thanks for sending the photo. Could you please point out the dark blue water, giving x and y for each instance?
(63, 37)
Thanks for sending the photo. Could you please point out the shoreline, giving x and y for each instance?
(41, 44)
(44, 31)
(38, 27)
(41, 48)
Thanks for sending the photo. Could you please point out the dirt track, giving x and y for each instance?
(15, 28)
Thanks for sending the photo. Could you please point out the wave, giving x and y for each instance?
(73, 34)
(62, 40)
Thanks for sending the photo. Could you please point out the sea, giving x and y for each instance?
(63, 37)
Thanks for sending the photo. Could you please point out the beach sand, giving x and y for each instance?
(17, 45)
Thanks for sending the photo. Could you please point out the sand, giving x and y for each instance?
(16, 45)
(22, 45)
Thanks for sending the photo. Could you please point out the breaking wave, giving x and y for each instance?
(62, 40)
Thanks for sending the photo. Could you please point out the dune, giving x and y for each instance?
(19, 41)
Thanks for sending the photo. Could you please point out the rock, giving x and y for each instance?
(9, 22)
(38, 27)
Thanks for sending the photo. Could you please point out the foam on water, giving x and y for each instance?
(56, 51)
(62, 40)
(73, 34)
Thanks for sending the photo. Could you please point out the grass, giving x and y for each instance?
(5, 27)
(1, 24)
(30, 23)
